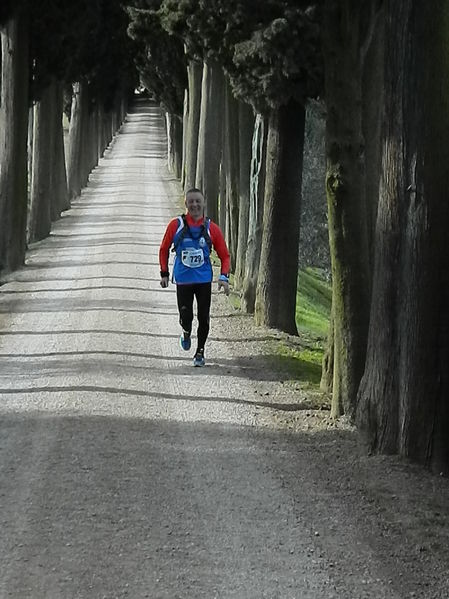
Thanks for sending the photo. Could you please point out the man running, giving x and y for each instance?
(193, 237)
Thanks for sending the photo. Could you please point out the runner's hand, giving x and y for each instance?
(164, 282)
(223, 285)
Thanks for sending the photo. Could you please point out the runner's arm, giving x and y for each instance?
(164, 248)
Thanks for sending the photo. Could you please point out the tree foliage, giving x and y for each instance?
(269, 50)
(8, 8)
(159, 57)
(280, 61)
(88, 41)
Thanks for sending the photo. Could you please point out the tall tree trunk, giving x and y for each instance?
(170, 148)
(209, 137)
(91, 140)
(327, 367)
(123, 108)
(246, 128)
(278, 272)
(403, 401)
(29, 149)
(223, 219)
(194, 76)
(231, 169)
(59, 182)
(101, 142)
(345, 187)
(185, 120)
(75, 160)
(107, 127)
(178, 143)
(13, 140)
(102, 138)
(40, 215)
(174, 142)
(256, 210)
(372, 92)
(116, 123)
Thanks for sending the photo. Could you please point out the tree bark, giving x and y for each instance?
(116, 122)
(185, 120)
(246, 128)
(278, 271)
(372, 93)
(403, 400)
(178, 142)
(75, 160)
(13, 140)
(256, 210)
(327, 368)
(40, 216)
(209, 137)
(223, 219)
(194, 75)
(108, 130)
(174, 141)
(91, 140)
(231, 170)
(60, 194)
(170, 148)
(101, 141)
(29, 148)
(345, 189)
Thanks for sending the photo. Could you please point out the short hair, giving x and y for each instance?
(194, 190)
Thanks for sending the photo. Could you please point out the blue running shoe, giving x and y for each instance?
(185, 341)
(199, 360)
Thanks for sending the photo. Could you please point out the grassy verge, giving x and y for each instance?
(302, 357)
(313, 303)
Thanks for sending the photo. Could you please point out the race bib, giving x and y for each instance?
(192, 258)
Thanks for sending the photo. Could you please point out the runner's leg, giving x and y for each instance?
(184, 296)
(203, 294)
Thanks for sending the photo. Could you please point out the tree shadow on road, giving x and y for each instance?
(116, 505)
(136, 393)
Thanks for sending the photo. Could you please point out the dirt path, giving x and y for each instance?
(126, 472)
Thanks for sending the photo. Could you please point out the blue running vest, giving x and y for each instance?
(192, 262)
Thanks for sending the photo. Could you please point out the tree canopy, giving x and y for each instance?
(270, 51)
(159, 56)
(88, 40)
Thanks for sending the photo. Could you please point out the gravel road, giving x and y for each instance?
(126, 472)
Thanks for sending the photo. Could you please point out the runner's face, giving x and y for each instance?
(195, 204)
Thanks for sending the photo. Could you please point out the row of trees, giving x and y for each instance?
(237, 87)
(241, 74)
(55, 55)
(235, 77)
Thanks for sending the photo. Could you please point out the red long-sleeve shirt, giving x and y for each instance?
(215, 234)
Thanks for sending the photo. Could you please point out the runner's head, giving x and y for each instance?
(194, 201)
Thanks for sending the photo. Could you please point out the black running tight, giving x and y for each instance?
(185, 294)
